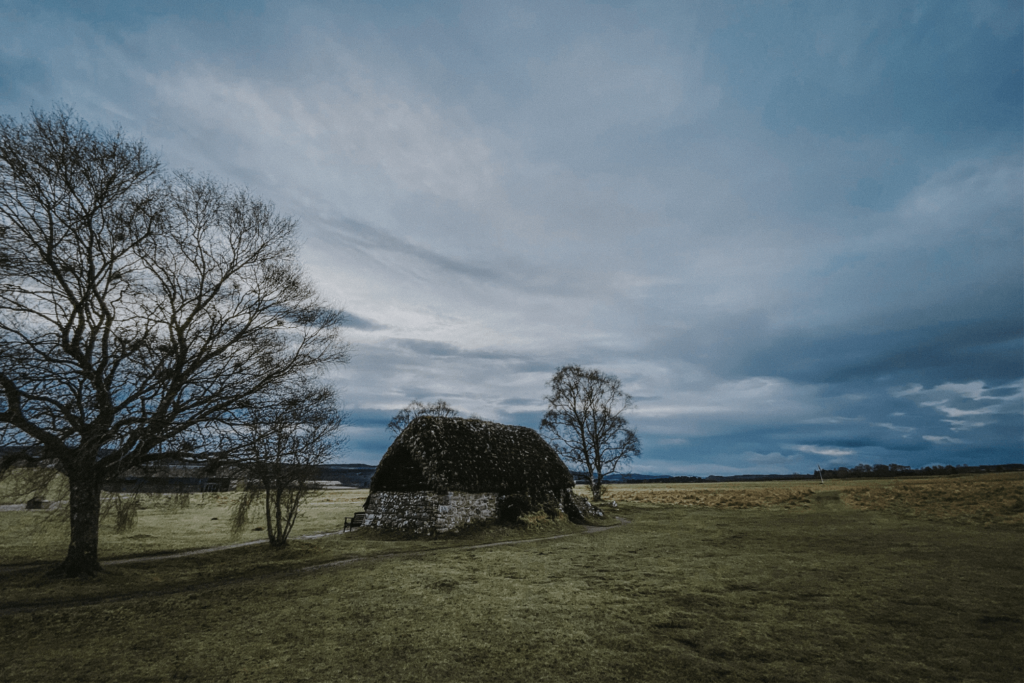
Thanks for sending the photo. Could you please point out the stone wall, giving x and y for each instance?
(428, 512)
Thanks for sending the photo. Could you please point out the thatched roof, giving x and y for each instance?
(455, 454)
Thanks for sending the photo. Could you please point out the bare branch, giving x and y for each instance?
(403, 417)
(283, 438)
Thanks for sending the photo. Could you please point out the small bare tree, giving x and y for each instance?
(286, 437)
(585, 424)
(139, 310)
(403, 417)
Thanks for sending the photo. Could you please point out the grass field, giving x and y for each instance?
(978, 499)
(163, 526)
(863, 581)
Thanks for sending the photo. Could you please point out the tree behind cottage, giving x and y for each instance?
(138, 309)
(585, 423)
(444, 472)
(403, 417)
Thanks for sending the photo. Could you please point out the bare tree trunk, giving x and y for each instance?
(83, 550)
(292, 509)
(272, 505)
(268, 509)
(280, 537)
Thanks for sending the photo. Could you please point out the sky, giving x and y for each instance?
(794, 230)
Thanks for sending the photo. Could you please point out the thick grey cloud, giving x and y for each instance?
(771, 221)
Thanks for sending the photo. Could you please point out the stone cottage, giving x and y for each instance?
(443, 473)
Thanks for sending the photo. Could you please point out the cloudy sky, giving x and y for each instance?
(794, 230)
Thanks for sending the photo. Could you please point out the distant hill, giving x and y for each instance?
(621, 478)
(357, 475)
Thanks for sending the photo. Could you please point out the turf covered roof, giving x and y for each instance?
(455, 454)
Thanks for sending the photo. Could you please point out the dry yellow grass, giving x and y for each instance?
(984, 499)
(996, 498)
(706, 496)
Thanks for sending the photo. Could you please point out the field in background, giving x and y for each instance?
(996, 498)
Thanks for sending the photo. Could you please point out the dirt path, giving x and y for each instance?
(172, 556)
(214, 549)
(216, 585)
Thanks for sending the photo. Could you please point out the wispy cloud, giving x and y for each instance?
(941, 439)
(825, 450)
(895, 428)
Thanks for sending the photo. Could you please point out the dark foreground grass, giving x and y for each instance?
(32, 588)
(826, 593)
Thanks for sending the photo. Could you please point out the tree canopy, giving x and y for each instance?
(139, 309)
(403, 417)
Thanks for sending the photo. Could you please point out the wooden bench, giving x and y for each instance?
(354, 521)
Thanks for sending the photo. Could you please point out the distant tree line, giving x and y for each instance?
(893, 470)
(861, 471)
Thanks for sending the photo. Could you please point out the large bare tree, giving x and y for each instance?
(139, 310)
(584, 423)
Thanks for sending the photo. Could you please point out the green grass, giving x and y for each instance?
(822, 592)
(163, 526)
(29, 589)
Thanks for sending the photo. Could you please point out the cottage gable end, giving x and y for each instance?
(399, 471)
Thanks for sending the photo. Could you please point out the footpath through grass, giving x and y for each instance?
(822, 592)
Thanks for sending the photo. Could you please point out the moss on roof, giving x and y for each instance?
(456, 454)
